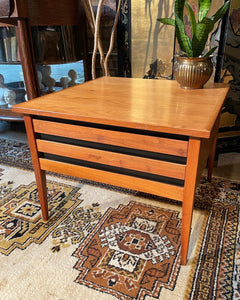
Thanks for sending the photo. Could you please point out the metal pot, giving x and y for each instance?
(193, 72)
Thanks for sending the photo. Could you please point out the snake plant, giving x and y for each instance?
(194, 45)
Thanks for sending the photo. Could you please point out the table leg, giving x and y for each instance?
(188, 196)
(39, 174)
(211, 157)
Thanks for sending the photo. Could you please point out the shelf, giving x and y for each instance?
(12, 62)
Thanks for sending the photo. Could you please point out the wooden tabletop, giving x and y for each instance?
(159, 105)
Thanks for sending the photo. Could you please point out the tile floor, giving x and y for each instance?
(228, 165)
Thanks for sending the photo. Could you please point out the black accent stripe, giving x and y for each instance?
(118, 170)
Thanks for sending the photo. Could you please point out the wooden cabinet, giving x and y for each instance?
(24, 15)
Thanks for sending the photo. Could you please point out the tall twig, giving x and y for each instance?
(96, 39)
(112, 36)
(95, 27)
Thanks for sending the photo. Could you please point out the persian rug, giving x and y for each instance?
(110, 244)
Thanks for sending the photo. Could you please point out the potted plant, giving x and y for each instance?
(194, 67)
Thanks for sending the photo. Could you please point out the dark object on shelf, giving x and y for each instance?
(18, 88)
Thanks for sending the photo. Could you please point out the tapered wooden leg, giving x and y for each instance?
(211, 159)
(188, 196)
(39, 174)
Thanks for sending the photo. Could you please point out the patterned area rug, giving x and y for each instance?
(21, 223)
(217, 273)
(15, 153)
(106, 244)
(132, 252)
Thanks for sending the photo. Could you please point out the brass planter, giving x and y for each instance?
(193, 72)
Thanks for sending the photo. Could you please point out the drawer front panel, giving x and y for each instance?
(117, 138)
(138, 184)
(141, 164)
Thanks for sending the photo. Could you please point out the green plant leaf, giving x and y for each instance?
(178, 8)
(221, 12)
(200, 38)
(183, 39)
(192, 17)
(200, 30)
(203, 8)
(210, 52)
(167, 21)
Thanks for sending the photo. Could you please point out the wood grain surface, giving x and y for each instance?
(141, 164)
(111, 137)
(138, 184)
(158, 105)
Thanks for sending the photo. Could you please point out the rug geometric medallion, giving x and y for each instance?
(132, 252)
(20, 213)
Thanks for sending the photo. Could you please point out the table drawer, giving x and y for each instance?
(106, 157)
(114, 137)
(113, 154)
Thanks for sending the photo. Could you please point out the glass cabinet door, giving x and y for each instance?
(59, 57)
(12, 88)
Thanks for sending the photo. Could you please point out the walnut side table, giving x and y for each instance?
(147, 135)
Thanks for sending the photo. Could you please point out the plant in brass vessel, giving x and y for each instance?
(193, 68)
(193, 72)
